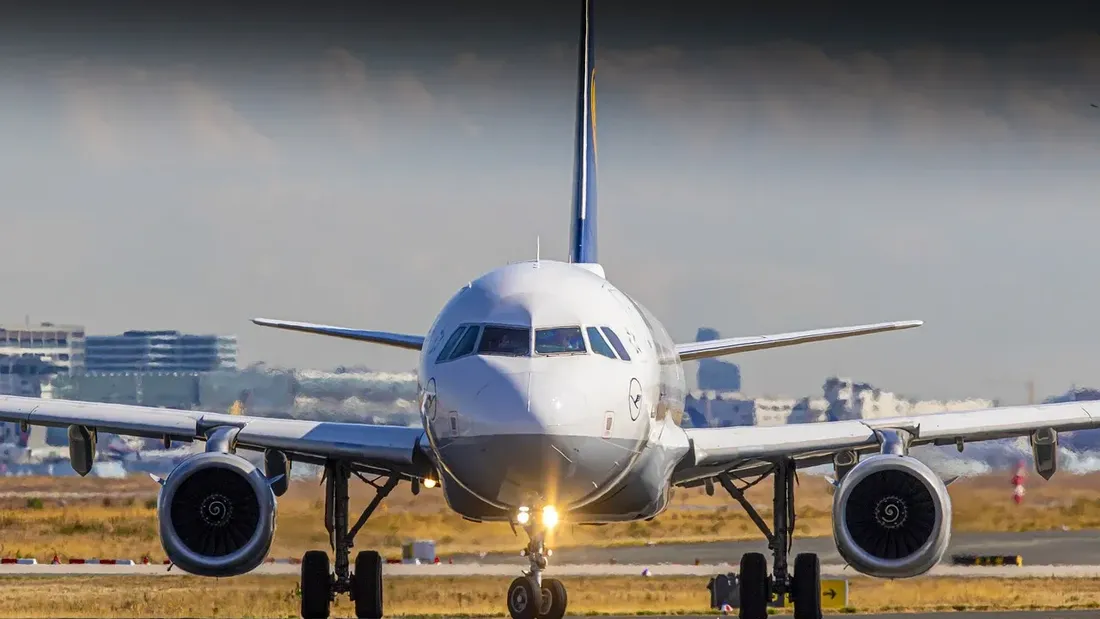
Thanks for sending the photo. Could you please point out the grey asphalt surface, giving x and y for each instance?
(1036, 548)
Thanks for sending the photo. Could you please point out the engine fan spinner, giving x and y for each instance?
(217, 515)
(891, 517)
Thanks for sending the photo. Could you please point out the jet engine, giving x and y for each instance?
(217, 515)
(891, 517)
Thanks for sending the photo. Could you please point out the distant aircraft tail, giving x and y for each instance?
(583, 239)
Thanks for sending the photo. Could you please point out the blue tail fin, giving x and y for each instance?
(583, 237)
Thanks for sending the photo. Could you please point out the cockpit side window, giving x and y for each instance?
(560, 341)
(465, 345)
(599, 345)
(450, 345)
(506, 341)
(616, 343)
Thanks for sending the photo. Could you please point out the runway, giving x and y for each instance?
(1074, 554)
(1037, 548)
(598, 569)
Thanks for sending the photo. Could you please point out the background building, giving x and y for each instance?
(716, 374)
(59, 345)
(28, 376)
(166, 389)
(160, 351)
(842, 398)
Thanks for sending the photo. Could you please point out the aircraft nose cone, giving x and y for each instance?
(526, 402)
(520, 442)
(502, 403)
(556, 401)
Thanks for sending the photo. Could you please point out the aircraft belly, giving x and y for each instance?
(507, 471)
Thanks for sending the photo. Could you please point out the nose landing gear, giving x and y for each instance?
(531, 596)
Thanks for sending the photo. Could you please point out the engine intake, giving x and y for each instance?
(217, 515)
(891, 517)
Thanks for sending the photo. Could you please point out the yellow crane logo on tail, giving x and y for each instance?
(592, 112)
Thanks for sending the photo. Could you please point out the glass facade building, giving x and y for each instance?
(159, 351)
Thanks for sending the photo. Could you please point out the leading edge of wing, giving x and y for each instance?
(714, 448)
(367, 443)
(399, 340)
(717, 348)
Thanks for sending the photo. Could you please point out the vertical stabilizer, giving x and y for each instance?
(583, 237)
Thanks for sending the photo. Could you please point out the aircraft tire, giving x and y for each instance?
(559, 599)
(806, 587)
(316, 585)
(523, 599)
(366, 585)
(753, 586)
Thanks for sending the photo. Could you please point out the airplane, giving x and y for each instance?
(548, 395)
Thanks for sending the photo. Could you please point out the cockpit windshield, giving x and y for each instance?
(507, 341)
(560, 340)
(599, 345)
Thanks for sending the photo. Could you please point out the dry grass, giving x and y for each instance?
(38, 519)
(276, 596)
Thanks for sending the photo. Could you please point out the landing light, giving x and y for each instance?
(549, 517)
(429, 483)
(524, 516)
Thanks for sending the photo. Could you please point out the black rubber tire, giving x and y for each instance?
(753, 586)
(366, 584)
(523, 599)
(559, 599)
(316, 585)
(806, 587)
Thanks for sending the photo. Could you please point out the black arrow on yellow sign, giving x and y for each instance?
(831, 593)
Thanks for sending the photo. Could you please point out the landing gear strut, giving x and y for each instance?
(364, 585)
(531, 596)
(756, 588)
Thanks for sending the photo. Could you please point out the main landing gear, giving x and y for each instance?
(531, 596)
(756, 587)
(364, 585)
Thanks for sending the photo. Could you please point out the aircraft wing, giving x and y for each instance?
(727, 346)
(374, 447)
(399, 340)
(717, 450)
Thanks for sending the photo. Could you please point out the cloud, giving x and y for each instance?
(927, 97)
(345, 84)
(216, 127)
(126, 114)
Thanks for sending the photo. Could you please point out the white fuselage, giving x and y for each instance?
(543, 384)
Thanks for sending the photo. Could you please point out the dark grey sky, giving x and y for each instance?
(774, 168)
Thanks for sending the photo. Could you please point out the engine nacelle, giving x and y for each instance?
(891, 517)
(217, 515)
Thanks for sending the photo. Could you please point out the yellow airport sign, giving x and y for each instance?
(834, 594)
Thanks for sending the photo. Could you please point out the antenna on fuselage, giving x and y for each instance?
(537, 248)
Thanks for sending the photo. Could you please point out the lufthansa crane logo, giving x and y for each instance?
(635, 403)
